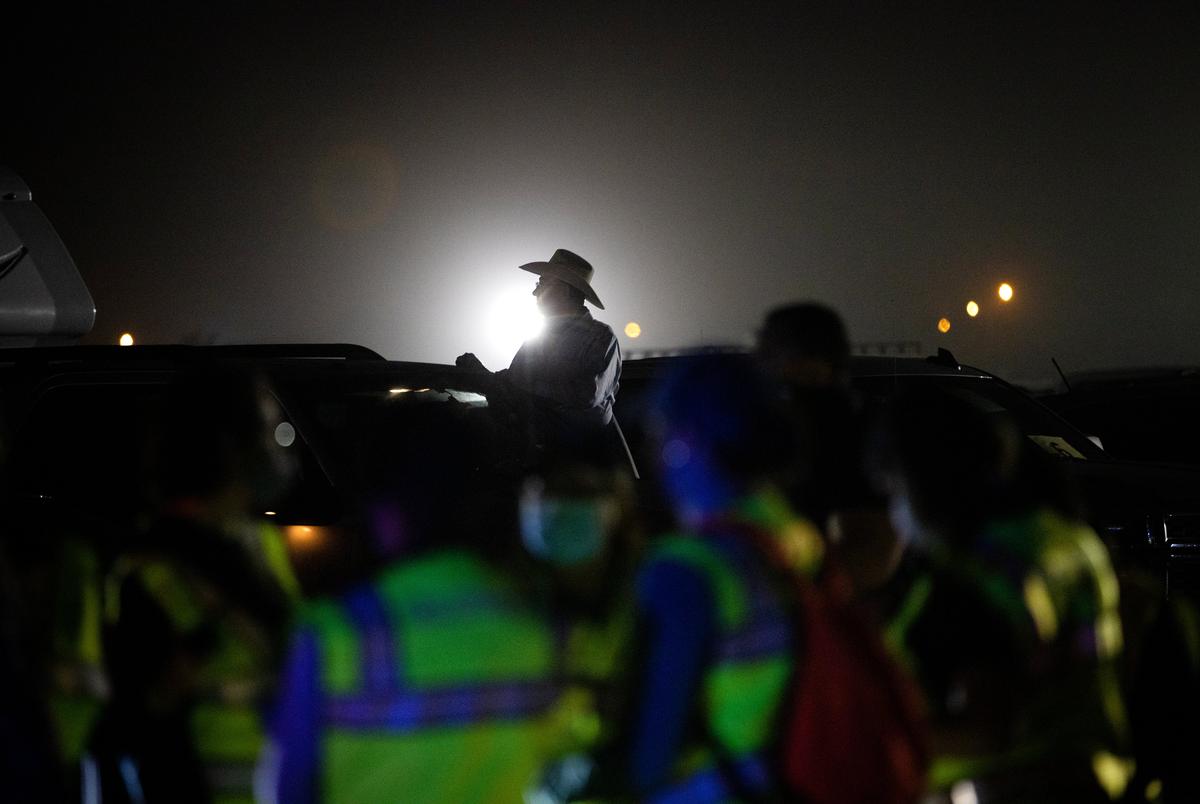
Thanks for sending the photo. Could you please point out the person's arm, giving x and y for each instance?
(677, 623)
(295, 726)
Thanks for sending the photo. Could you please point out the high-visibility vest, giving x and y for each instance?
(79, 685)
(747, 678)
(1051, 581)
(225, 720)
(440, 684)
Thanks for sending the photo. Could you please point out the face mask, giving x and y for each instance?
(564, 530)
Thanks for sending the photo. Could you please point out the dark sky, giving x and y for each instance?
(375, 175)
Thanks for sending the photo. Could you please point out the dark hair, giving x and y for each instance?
(805, 329)
(964, 467)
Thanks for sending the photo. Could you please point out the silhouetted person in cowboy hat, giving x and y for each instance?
(573, 369)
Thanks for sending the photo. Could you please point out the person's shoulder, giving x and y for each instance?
(598, 331)
(600, 326)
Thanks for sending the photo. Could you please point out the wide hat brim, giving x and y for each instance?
(564, 274)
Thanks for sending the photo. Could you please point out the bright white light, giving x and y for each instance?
(126, 339)
(964, 793)
(512, 320)
(285, 434)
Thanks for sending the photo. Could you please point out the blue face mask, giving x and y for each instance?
(564, 530)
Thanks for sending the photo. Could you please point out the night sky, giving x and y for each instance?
(375, 175)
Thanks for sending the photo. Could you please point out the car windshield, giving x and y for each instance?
(1039, 424)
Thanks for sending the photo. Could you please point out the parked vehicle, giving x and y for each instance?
(1148, 514)
(79, 420)
(1141, 415)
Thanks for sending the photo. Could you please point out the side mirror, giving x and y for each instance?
(43, 299)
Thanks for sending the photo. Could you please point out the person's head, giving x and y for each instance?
(576, 518)
(564, 283)
(949, 467)
(555, 297)
(804, 345)
(717, 434)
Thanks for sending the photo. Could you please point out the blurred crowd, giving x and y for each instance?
(793, 602)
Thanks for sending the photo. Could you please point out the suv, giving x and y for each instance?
(1149, 515)
(79, 421)
(1141, 414)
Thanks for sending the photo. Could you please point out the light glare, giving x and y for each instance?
(126, 339)
(302, 535)
(944, 325)
(285, 434)
(514, 318)
(972, 309)
(1005, 292)
(633, 329)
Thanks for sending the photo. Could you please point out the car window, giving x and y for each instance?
(1043, 427)
(335, 413)
(1161, 426)
(83, 449)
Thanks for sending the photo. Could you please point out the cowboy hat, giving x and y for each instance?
(567, 266)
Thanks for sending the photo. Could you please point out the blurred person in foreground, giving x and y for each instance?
(579, 524)
(1013, 629)
(437, 680)
(713, 653)
(565, 380)
(197, 606)
(804, 351)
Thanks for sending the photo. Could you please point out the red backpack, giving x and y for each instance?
(851, 727)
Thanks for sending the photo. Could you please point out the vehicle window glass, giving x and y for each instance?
(1163, 426)
(337, 414)
(85, 450)
(1050, 432)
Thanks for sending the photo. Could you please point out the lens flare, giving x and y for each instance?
(513, 319)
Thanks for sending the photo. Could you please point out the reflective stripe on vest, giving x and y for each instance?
(436, 686)
(384, 702)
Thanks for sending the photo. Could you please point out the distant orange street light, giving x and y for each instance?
(944, 325)
(1005, 292)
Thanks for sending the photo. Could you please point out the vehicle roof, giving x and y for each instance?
(942, 365)
(107, 355)
(1108, 379)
